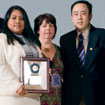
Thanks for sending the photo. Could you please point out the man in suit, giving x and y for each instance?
(83, 84)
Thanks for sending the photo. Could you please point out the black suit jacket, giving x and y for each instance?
(88, 82)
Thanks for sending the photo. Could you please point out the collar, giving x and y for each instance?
(85, 33)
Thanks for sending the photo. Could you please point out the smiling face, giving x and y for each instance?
(16, 22)
(46, 32)
(81, 17)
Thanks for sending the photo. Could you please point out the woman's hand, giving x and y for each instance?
(21, 91)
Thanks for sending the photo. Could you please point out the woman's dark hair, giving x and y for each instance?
(27, 32)
(1, 23)
(49, 18)
(89, 5)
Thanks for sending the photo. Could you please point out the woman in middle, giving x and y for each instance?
(45, 28)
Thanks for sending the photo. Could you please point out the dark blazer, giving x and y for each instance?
(90, 81)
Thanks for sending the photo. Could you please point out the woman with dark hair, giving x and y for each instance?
(1, 23)
(45, 28)
(17, 40)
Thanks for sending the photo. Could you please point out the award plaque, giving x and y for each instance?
(35, 74)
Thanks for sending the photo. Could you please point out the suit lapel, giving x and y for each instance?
(93, 37)
(74, 52)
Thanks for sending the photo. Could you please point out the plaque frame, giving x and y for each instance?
(39, 80)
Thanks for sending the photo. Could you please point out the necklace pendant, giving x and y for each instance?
(46, 50)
